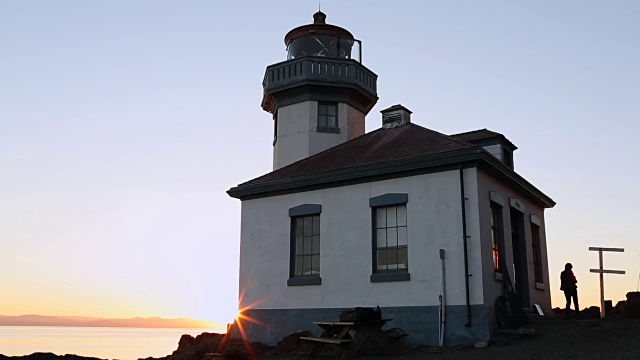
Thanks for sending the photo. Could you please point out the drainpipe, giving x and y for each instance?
(443, 303)
(464, 244)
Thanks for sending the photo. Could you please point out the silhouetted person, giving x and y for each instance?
(568, 285)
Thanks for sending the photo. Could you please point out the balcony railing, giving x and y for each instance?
(319, 69)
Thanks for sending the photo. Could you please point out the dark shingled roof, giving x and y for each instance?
(475, 135)
(388, 152)
(480, 136)
(379, 146)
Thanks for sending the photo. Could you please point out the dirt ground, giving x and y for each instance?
(553, 339)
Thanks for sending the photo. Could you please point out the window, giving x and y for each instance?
(304, 268)
(535, 244)
(507, 157)
(306, 245)
(328, 117)
(496, 236)
(390, 238)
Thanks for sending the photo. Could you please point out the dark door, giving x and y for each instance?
(518, 244)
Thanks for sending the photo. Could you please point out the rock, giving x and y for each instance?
(619, 308)
(235, 354)
(186, 340)
(212, 346)
(591, 312)
(292, 342)
(608, 306)
(527, 331)
(632, 308)
(633, 296)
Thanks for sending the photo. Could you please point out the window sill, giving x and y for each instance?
(328, 129)
(498, 276)
(541, 286)
(387, 277)
(304, 281)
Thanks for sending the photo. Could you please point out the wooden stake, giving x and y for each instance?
(602, 271)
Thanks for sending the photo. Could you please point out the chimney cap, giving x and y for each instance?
(395, 116)
(396, 108)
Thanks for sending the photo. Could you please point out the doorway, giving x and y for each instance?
(519, 248)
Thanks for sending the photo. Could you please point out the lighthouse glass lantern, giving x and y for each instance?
(321, 40)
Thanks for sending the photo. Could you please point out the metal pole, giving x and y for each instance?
(601, 286)
(443, 303)
(463, 209)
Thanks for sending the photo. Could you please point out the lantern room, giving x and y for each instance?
(322, 40)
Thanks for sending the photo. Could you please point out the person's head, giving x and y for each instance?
(568, 266)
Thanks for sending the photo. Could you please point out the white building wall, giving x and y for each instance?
(474, 239)
(297, 137)
(292, 134)
(538, 293)
(434, 222)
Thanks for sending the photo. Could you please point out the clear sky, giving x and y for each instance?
(123, 123)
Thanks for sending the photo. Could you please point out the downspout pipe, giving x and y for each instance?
(443, 303)
(463, 200)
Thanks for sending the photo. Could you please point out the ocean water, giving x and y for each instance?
(100, 342)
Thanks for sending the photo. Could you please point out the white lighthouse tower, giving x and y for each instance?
(320, 95)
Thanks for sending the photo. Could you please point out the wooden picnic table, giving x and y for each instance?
(351, 334)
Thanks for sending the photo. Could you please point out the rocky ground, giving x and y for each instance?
(544, 338)
(552, 337)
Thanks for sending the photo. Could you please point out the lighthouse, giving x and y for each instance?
(320, 95)
(351, 219)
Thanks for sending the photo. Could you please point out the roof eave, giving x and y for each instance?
(396, 166)
(479, 156)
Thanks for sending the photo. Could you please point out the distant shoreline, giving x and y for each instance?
(79, 321)
(213, 329)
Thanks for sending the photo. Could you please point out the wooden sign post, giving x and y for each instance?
(602, 271)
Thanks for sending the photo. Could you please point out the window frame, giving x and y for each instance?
(496, 208)
(384, 202)
(327, 127)
(507, 157)
(297, 214)
(497, 236)
(536, 249)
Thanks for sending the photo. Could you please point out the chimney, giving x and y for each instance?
(395, 116)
